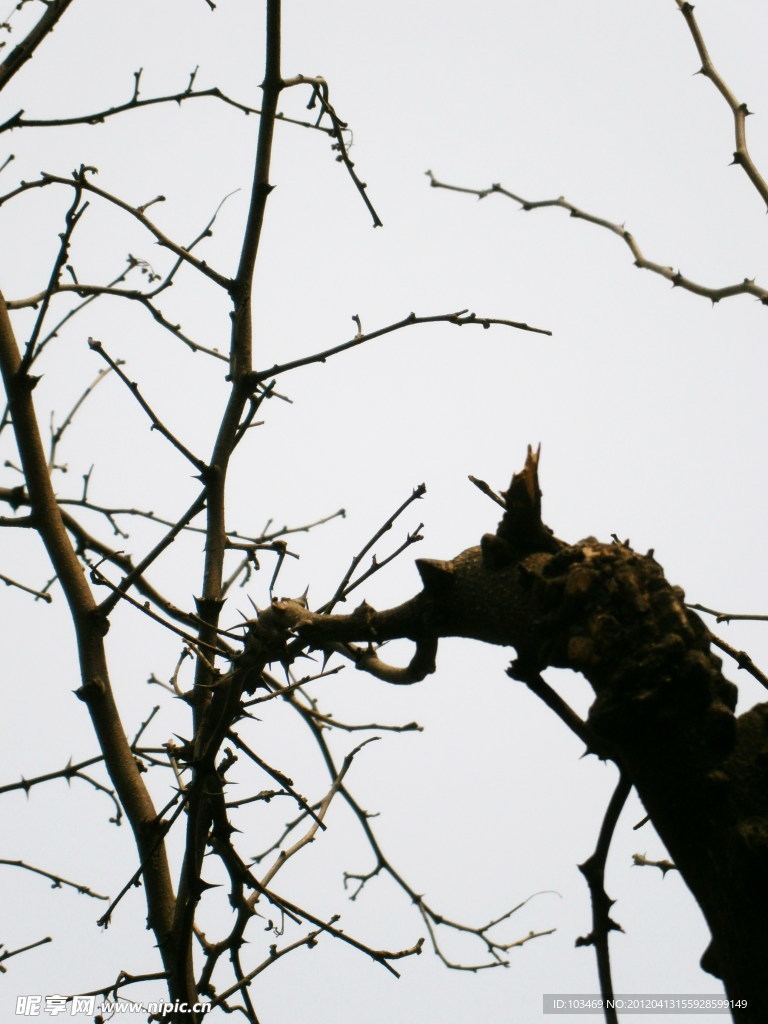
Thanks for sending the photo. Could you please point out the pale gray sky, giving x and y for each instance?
(649, 405)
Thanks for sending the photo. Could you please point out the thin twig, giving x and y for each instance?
(58, 881)
(675, 277)
(27, 590)
(461, 318)
(344, 586)
(320, 95)
(157, 423)
(593, 870)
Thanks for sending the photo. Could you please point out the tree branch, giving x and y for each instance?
(675, 277)
(26, 49)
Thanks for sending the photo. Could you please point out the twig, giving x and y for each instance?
(18, 120)
(541, 688)
(728, 616)
(56, 435)
(593, 870)
(57, 880)
(382, 863)
(164, 827)
(71, 220)
(344, 586)
(461, 318)
(157, 423)
(488, 491)
(69, 772)
(278, 776)
(194, 642)
(739, 110)
(742, 659)
(8, 953)
(317, 819)
(320, 95)
(495, 949)
(80, 181)
(675, 277)
(27, 590)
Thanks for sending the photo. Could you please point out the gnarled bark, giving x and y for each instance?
(663, 709)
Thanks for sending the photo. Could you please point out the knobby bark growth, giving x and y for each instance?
(663, 711)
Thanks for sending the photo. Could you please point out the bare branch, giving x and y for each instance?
(344, 586)
(593, 870)
(58, 881)
(675, 277)
(8, 953)
(27, 590)
(739, 110)
(80, 180)
(462, 318)
(26, 49)
(157, 424)
(58, 433)
(742, 659)
(320, 96)
(135, 103)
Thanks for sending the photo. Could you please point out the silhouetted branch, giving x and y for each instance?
(8, 953)
(79, 180)
(460, 319)
(18, 120)
(338, 127)
(345, 586)
(593, 870)
(58, 881)
(157, 424)
(26, 49)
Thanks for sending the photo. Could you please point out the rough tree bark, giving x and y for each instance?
(663, 710)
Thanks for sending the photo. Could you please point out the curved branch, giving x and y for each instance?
(661, 700)
(461, 318)
(739, 110)
(675, 277)
(81, 181)
(593, 870)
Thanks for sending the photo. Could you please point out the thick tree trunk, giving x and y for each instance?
(663, 710)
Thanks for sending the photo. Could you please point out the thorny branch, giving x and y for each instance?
(741, 158)
(593, 870)
(675, 277)
(202, 766)
(739, 110)
(382, 864)
(18, 120)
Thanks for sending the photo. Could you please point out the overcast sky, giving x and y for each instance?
(649, 405)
